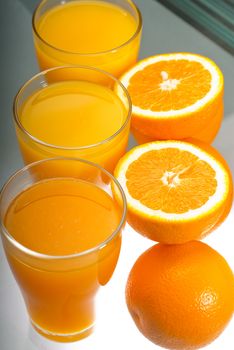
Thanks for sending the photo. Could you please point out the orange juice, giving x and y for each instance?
(73, 119)
(60, 217)
(94, 33)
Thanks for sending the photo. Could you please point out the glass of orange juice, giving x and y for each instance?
(62, 238)
(100, 33)
(57, 114)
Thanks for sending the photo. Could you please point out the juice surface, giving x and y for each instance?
(86, 26)
(73, 114)
(62, 216)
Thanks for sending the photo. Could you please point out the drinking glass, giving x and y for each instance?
(115, 60)
(107, 152)
(59, 290)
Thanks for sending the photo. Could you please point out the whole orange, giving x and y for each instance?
(181, 296)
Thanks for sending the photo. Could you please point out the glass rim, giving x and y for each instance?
(50, 145)
(91, 250)
(138, 29)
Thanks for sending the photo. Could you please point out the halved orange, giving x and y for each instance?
(207, 134)
(174, 96)
(176, 191)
